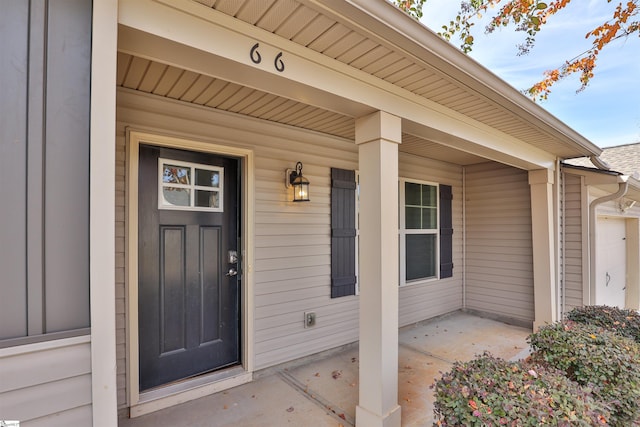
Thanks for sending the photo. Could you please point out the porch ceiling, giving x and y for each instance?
(168, 81)
(353, 33)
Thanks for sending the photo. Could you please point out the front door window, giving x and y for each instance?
(190, 186)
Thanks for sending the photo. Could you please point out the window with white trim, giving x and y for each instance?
(418, 231)
(189, 186)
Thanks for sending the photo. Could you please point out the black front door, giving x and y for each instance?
(188, 290)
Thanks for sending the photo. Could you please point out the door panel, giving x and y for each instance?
(611, 255)
(188, 309)
(172, 289)
(210, 243)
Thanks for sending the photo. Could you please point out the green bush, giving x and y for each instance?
(488, 391)
(594, 357)
(623, 322)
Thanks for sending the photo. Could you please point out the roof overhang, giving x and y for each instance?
(200, 39)
(607, 181)
(382, 20)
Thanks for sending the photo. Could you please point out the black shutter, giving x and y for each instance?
(343, 232)
(446, 232)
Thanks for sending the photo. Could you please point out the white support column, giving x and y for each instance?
(378, 136)
(544, 266)
(102, 213)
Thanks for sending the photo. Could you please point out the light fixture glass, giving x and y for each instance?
(299, 183)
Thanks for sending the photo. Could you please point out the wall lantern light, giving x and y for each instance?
(624, 205)
(300, 184)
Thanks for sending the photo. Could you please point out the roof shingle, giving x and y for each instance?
(622, 158)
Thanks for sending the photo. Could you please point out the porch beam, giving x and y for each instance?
(544, 249)
(205, 41)
(378, 136)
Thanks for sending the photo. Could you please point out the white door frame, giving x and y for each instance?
(143, 403)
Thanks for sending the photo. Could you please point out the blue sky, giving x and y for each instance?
(608, 111)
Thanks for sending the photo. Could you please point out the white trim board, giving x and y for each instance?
(43, 345)
(104, 40)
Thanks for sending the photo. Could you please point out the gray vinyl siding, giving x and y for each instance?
(292, 270)
(499, 257)
(13, 155)
(47, 385)
(573, 242)
(44, 156)
(120, 272)
(434, 297)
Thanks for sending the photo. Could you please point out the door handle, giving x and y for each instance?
(232, 272)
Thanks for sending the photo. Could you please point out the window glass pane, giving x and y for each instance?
(429, 195)
(429, 218)
(412, 218)
(173, 174)
(420, 256)
(176, 196)
(207, 178)
(190, 186)
(412, 194)
(207, 199)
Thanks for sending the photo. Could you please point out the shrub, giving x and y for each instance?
(594, 357)
(488, 391)
(620, 321)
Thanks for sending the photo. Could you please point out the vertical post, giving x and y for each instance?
(633, 263)
(544, 248)
(102, 212)
(378, 136)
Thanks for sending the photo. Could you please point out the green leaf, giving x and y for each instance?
(541, 6)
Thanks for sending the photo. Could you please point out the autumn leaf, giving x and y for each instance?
(530, 16)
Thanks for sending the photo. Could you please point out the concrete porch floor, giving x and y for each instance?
(325, 392)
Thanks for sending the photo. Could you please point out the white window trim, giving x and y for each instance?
(190, 186)
(402, 232)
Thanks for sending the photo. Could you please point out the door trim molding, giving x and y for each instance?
(208, 384)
